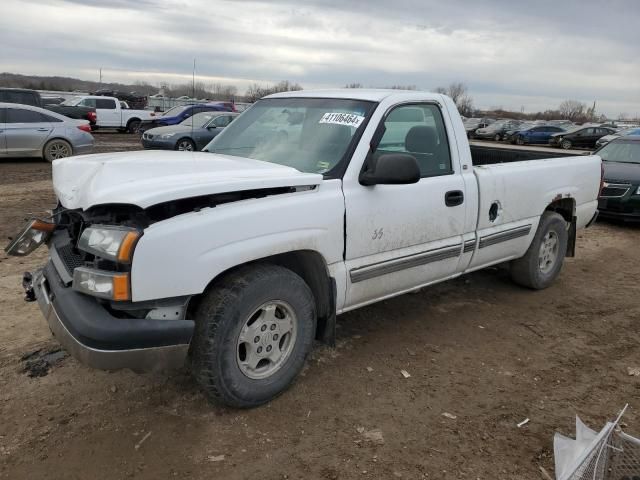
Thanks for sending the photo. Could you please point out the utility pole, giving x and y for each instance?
(193, 81)
(100, 76)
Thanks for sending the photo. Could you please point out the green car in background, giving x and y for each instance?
(620, 195)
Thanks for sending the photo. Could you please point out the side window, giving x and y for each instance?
(3, 115)
(15, 115)
(222, 121)
(418, 130)
(105, 103)
(88, 102)
(49, 118)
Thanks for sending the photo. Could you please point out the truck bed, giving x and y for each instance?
(488, 155)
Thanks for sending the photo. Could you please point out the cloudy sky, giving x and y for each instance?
(531, 54)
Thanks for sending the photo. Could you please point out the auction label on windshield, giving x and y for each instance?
(348, 119)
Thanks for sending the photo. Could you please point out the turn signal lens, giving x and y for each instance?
(126, 247)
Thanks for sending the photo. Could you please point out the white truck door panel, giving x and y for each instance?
(108, 112)
(403, 236)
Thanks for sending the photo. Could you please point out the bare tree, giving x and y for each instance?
(458, 92)
(354, 85)
(572, 110)
(256, 91)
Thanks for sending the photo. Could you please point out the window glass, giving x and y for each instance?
(308, 134)
(88, 102)
(24, 98)
(49, 118)
(105, 103)
(15, 115)
(222, 121)
(419, 131)
(3, 115)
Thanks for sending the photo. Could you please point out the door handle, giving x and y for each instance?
(453, 198)
(43, 129)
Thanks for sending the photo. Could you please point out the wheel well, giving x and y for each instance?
(567, 208)
(132, 120)
(312, 268)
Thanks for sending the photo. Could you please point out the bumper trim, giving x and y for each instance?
(148, 359)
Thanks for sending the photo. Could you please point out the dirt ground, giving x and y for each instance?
(480, 348)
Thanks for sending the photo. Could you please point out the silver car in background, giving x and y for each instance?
(27, 131)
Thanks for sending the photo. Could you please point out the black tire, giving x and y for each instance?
(133, 125)
(497, 137)
(221, 319)
(527, 270)
(185, 144)
(56, 148)
(566, 144)
(520, 140)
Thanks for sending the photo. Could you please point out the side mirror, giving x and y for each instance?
(392, 169)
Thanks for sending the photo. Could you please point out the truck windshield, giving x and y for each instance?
(311, 135)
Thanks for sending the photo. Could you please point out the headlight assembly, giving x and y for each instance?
(111, 243)
(166, 136)
(35, 234)
(103, 284)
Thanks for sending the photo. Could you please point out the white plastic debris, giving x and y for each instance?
(449, 415)
(215, 458)
(633, 371)
(405, 374)
(523, 422)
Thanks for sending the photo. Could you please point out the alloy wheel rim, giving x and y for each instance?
(266, 340)
(58, 150)
(185, 146)
(548, 254)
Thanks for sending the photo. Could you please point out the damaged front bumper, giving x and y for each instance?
(100, 340)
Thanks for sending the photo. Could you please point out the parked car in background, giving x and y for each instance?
(27, 131)
(535, 135)
(473, 124)
(25, 96)
(191, 134)
(22, 96)
(110, 112)
(620, 195)
(509, 135)
(620, 133)
(178, 114)
(496, 130)
(583, 137)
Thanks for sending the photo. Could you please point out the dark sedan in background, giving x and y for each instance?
(583, 137)
(178, 114)
(620, 195)
(496, 130)
(190, 135)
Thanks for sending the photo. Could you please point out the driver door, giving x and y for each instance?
(399, 237)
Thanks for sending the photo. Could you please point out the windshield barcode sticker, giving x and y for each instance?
(348, 119)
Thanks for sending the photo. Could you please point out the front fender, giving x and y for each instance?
(181, 255)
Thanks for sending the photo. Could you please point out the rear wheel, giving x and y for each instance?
(185, 145)
(133, 126)
(254, 330)
(55, 149)
(543, 261)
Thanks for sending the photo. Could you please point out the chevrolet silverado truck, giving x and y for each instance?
(310, 204)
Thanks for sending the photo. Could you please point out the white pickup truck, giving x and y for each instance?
(112, 113)
(309, 205)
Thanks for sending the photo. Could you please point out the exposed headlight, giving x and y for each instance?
(34, 235)
(638, 191)
(103, 284)
(165, 136)
(111, 243)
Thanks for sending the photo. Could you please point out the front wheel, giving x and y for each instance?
(185, 145)
(566, 144)
(497, 137)
(56, 149)
(543, 261)
(254, 330)
(521, 141)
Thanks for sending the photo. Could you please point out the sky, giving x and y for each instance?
(527, 55)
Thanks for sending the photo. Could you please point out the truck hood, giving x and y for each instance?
(147, 178)
(615, 172)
